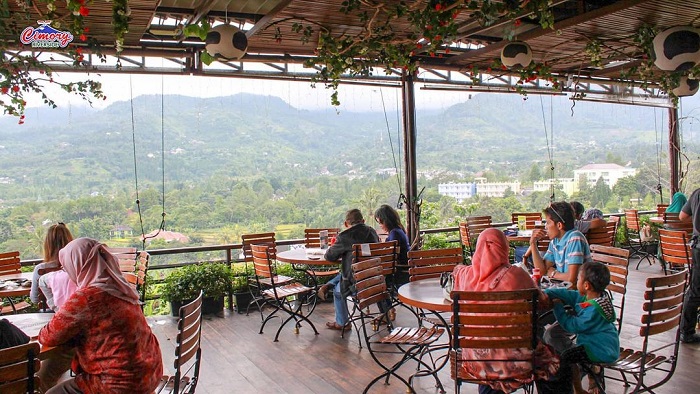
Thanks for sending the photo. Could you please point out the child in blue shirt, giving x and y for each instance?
(589, 313)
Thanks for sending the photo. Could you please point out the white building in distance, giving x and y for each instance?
(460, 191)
(495, 189)
(567, 185)
(610, 172)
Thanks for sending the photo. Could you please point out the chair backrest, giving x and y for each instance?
(470, 229)
(187, 346)
(632, 220)
(312, 238)
(617, 261)
(602, 235)
(9, 263)
(530, 218)
(262, 263)
(42, 298)
(369, 282)
(18, 368)
(675, 248)
(126, 258)
(663, 305)
(672, 222)
(387, 252)
(258, 239)
(500, 321)
(424, 264)
(660, 209)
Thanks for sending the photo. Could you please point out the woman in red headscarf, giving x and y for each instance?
(492, 271)
(116, 352)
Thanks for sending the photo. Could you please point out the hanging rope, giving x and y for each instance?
(136, 175)
(549, 138)
(391, 143)
(658, 158)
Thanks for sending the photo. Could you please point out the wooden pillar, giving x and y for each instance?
(674, 152)
(409, 147)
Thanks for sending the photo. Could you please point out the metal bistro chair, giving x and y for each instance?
(18, 368)
(661, 314)
(134, 267)
(636, 246)
(530, 218)
(617, 261)
(603, 235)
(411, 343)
(42, 297)
(432, 263)
(502, 320)
(673, 222)
(312, 239)
(9, 264)
(675, 250)
(285, 296)
(247, 241)
(187, 346)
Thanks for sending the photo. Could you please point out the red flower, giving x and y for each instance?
(79, 50)
(488, 69)
(440, 55)
(438, 7)
(83, 37)
(432, 54)
(447, 51)
(437, 38)
(15, 88)
(419, 46)
(503, 66)
(84, 11)
(86, 29)
(517, 22)
(4, 90)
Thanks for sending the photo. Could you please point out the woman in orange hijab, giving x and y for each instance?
(492, 271)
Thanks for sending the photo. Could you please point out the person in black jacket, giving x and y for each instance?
(356, 232)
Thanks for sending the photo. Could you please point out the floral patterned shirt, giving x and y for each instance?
(116, 351)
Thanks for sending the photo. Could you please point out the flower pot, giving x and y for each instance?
(241, 300)
(210, 305)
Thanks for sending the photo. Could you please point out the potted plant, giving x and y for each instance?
(240, 286)
(184, 284)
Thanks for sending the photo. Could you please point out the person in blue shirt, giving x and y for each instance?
(588, 313)
(568, 248)
(390, 222)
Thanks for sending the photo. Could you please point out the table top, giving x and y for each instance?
(29, 323)
(299, 256)
(656, 219)
(10, 288)
(425, 294)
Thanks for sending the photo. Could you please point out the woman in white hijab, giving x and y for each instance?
(116, 352)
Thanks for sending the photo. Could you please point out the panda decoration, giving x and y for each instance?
(677, 48)
(516, 53)
(226, 41)
(686, 87)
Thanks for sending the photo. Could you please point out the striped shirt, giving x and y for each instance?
(571, 249)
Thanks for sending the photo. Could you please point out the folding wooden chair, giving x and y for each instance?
(312, 240)
(18, 368)
(661, 314)
(500, 321)
(617, 261)
(603, 235)
(42, 297)
(388, 254)
(187, 346)
(636, 246)
(431, 263)
(247, 241)
(470, 229)
(661, 209)
(676, 254)
(530, 218)
(412, 343)
(282, 296)
(672, 222)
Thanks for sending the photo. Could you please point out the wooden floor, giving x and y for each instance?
(236, 359)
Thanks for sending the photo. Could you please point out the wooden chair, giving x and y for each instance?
(282, 296)
(603, 235)
(661, 209)
(312, 240)
(431, 263)
(247, 240)
(411, 343)
(388, 254)
(676, 253)
(616, 220)
(18, 368)
(636, 246)
(672, 222)
(10, 264)
(617, 261)
(187, 347)
(42, 297)
(134, 267)
(503, 320)
(470, 229)
(660, 314)
(530, 218)
(126, 258)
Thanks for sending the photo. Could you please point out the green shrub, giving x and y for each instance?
(185, 283)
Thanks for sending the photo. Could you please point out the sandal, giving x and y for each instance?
(331, 325)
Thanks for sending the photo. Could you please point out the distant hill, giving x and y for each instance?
(71, 152)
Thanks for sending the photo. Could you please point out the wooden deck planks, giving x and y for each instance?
(238, 359)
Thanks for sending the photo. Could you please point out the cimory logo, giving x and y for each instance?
(45, 36)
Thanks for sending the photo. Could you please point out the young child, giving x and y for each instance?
(589, 313)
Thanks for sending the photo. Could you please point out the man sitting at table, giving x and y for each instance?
(356, 232)
(587, 219)
(568, 249)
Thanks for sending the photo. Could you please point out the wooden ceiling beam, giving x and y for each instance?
(265, 20)
(538, 32)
